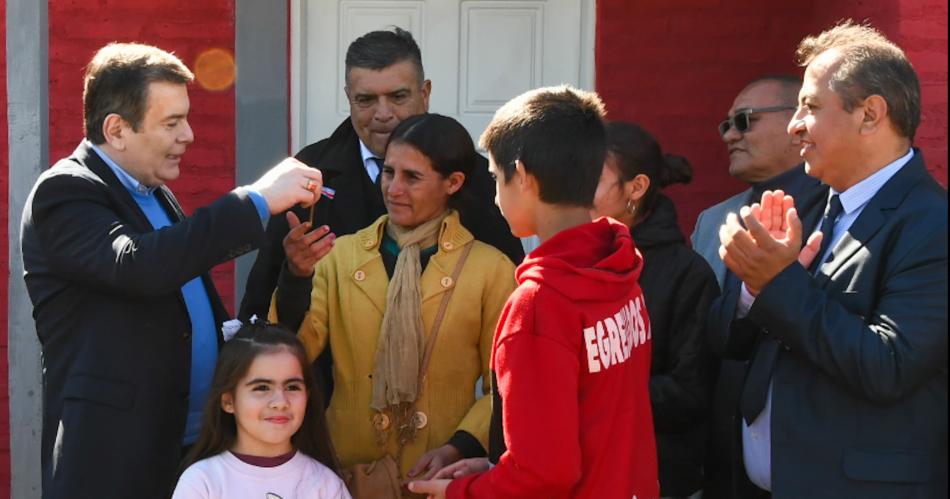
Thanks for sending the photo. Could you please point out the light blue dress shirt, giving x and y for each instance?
(369, 162)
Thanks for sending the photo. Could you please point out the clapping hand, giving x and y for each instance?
(771, 242)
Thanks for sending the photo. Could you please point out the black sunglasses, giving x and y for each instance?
(743, 119)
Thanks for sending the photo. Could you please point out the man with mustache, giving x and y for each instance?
(385, 84)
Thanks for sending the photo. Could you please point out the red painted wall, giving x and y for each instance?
(185, 27)
(675, 67)
(4, 264)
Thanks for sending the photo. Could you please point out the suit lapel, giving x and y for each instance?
(343, 171)
(436, 278)
(88, 157)
(369, 274)
(170, 204)
(873, 217)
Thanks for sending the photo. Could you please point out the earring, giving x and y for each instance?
(632, 208)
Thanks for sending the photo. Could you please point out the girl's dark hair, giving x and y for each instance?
(637, 152)
(219, 429)
(448, 146)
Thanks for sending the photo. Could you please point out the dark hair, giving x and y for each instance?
(117, 80)
(447, 144)
(219, 428)
(558, 133)
(637, 152)
(790, 86)
(381, 49)
(869, 64)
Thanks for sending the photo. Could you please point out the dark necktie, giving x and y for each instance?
(379, 170)
(832, 212)
(755, 391)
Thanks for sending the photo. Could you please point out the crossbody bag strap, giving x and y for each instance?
(430, 344)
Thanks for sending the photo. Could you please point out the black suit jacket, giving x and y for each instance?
(115, 333)
(859, 391)
(357, 204)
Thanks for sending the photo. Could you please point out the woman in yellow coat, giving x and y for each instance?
(375, 298)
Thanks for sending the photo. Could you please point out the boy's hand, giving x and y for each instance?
(435, 488)
(465, 467)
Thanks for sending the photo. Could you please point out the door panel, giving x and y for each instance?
(478, 53)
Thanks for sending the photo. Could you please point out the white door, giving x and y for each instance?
(478, 53)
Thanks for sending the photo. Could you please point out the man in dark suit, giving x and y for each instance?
(846, 394)
(385, 84)
(126, 313)
(761, 154)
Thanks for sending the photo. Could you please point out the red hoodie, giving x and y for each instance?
(572, 358)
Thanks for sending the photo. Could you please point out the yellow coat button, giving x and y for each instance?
(420, 420)
(359, 275)
(446, 282)
(448, 245)
(380, 421)
(369, 244)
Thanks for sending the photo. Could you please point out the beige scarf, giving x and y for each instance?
(401, 343)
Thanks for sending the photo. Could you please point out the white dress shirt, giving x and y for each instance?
(372, 169)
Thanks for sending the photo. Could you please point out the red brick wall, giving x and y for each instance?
(675, 66)
(185, 27)
(4, 265)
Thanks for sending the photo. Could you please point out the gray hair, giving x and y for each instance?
(870, 64)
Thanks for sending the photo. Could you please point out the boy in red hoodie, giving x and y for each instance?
(571, 353)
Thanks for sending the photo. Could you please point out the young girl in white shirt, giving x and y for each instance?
(264, 433)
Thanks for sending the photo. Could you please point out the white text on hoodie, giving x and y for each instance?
(611, 340)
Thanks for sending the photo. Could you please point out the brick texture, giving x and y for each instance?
(4, 266)
(920, 28)
(675, 66)
(79, 27)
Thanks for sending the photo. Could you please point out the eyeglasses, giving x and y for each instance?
(743, 119)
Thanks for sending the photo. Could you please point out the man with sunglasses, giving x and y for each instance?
(761, 153)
